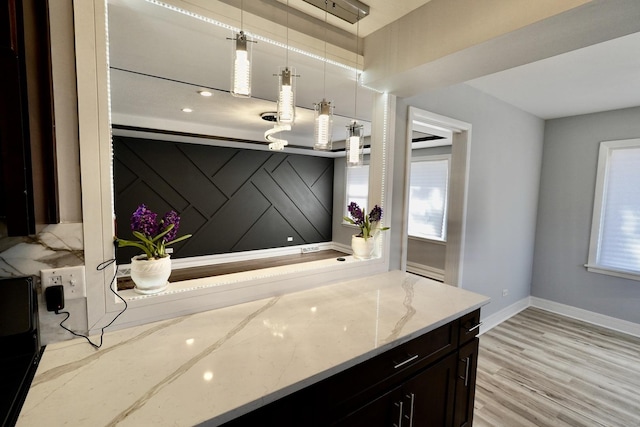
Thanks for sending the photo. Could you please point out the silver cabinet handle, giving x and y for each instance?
(467, 361)
(412, 397)
(409, 360)
(399, 405)
(475, 327)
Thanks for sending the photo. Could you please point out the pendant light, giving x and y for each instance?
(241, 70)
(286, 104)
(286, 96)
(276, 144)
(323, 109)
(354, 143)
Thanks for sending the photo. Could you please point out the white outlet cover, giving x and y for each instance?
(72, 280)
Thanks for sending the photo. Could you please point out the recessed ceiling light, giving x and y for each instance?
(187, 110)
(205, 93)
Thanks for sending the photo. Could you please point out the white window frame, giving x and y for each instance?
(431, 158)
(593, 265)
(347, 200)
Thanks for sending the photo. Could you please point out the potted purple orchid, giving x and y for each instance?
(153, 236)
(151, 270)
(362, 244)
(368, 224)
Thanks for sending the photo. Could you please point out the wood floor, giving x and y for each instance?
(542, 369)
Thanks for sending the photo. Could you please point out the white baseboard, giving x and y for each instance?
(425, 270)
(587, 316)
(598, 319)
(340, 247)
(495, 319)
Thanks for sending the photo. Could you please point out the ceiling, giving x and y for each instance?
(381, 13)
(601, 77)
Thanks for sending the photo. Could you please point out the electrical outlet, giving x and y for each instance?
(505, 292)
(290, 239)
(307, 249)
(71, 278)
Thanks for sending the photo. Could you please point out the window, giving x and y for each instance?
(615, 231)
(428, 187)
(357, 189)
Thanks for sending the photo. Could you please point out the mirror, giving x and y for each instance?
(160, 60)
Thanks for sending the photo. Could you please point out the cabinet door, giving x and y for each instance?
(385, 411)
(466, 383)
(429, 396)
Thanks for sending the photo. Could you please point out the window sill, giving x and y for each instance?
(199, 272)
(625, 274)
(427, 240)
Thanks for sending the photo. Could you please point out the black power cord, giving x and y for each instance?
(100, 267)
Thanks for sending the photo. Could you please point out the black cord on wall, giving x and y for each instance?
(100, 267)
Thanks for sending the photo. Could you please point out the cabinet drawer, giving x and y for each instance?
(469, 326)
(393, 366)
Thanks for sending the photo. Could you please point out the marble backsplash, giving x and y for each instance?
(57, 245)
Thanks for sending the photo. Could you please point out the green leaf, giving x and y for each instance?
(179, 239)
(123, 243)
(161, 235)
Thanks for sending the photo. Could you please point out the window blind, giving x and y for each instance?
(357, 189)
(428, 199)
(620, 224)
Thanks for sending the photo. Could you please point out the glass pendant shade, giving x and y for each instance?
(286, 96)
(354, 145)
(323, 125)
(241, 74)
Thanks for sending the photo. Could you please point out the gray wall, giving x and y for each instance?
(564, 216)
(506, 153)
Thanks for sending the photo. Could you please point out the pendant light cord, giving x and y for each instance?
(324, 77)
(355, 102)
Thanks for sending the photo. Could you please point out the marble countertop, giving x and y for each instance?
(219, 364)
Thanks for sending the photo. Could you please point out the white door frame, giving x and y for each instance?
(460, 133)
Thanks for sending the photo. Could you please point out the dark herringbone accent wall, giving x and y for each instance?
(230, 199)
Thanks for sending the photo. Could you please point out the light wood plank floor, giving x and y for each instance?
(543, 369)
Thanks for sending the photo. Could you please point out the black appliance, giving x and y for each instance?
(20, 348)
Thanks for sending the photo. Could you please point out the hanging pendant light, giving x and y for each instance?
(323, 109)
(286, 104)
(276, 144)
(323, 125)
(286, 96)
(354, 143)
(241, 70)
(241, 75)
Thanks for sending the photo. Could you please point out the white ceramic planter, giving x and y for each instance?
(362, 248)
(150, 276)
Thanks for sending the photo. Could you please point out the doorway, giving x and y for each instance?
(442, 136)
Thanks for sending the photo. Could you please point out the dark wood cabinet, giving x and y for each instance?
(466, 383)
(427, 381)
(425, 399)
(27, 144)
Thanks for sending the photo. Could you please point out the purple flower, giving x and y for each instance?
(146, 229)
(376, 214)
(170, 217)
(356, 213)
(144, 221)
